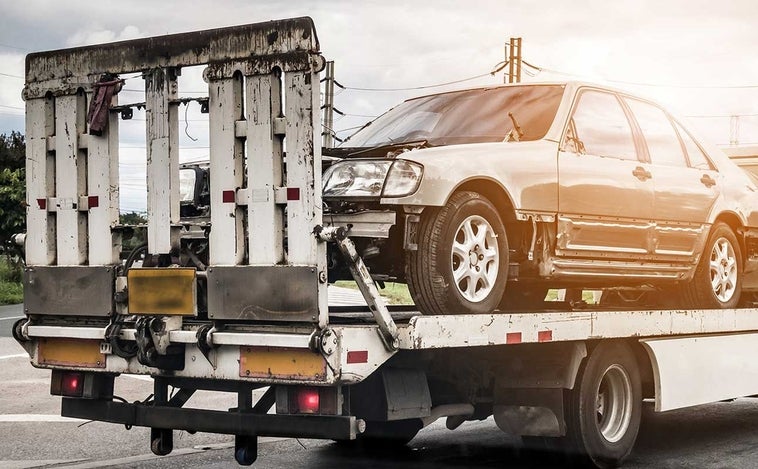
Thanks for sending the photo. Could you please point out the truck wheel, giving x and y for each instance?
(461, 264)
(604, 408)
(161, 441)
(717, 282)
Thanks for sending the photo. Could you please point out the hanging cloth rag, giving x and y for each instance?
(97, 116)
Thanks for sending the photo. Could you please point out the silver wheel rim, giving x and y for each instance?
(613, 403)
(475, 258)
(723, 268)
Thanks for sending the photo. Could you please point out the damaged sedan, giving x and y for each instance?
(485, 198)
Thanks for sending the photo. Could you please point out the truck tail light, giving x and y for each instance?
(321, 400)
(308, 401)
(86, 385)
(68, 383)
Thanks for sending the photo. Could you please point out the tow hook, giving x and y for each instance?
(153, 347)
(205, 343)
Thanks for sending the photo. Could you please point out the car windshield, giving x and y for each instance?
(472, 116)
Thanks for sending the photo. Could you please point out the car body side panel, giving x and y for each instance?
(605, 211)
(683, 205)
(527, 171)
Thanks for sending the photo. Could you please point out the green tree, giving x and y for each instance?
(12, 151)
(12, 185)
(12, 203)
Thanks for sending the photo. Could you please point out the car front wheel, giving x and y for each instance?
(461, 264)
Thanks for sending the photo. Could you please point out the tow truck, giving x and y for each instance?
(251, 312)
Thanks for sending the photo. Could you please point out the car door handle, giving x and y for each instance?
(641, 173)
(707, 181)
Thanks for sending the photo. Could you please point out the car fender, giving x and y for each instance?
(526, 171)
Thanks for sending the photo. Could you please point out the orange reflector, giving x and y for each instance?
(280, 362)
(169, 291)
(545, 336)
(70, 352)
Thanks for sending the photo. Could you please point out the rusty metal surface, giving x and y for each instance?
(260, 293)
(69, 291)
(175, 50)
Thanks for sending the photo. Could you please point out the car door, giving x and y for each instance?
(605, 195)
(686, 184)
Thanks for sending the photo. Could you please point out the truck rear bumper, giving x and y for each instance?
(212, 421)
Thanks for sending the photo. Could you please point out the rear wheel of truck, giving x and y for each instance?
(461, 264)
(603, 410)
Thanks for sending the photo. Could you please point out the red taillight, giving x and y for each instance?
(308, 401)
(70, 384)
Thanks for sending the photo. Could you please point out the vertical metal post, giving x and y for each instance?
(518, 60)
(514, 60)
(226, 171)
(70, 179)
(265, 132)
(162, 158)
(103, 193)
(734, 130)
(328, 132)
(40, 182)
(511, 59)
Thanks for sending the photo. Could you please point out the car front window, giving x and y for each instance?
(470, 116)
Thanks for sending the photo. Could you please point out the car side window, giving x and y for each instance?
(600, 127)
(696, 156)
(663, 144)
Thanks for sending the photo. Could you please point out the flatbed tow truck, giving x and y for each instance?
(254, 314)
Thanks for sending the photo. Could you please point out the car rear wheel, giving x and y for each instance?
(461, 264)
(717, 282)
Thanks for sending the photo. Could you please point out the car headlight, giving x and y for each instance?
(369, 178)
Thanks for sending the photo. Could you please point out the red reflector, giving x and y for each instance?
(228, 197)
(308, 401)
(72, 384)
(513, 337)
(545, 336)
(357, 356)
(93, 201)
(42, 203)
(293, 193)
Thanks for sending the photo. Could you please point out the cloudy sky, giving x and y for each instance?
(700, 58)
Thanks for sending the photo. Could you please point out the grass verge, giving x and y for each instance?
(394, 293)
(11, 290)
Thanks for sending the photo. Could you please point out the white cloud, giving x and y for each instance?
(96, 34)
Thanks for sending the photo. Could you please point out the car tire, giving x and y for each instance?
(461, 264)
(717, 283)
(604, 409)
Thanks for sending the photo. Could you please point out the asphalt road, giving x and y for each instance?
(32, 434)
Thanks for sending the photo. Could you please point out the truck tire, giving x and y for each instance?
(461, 264)
(603, 410)
(717, 283)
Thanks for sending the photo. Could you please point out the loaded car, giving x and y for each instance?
(485, 198)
